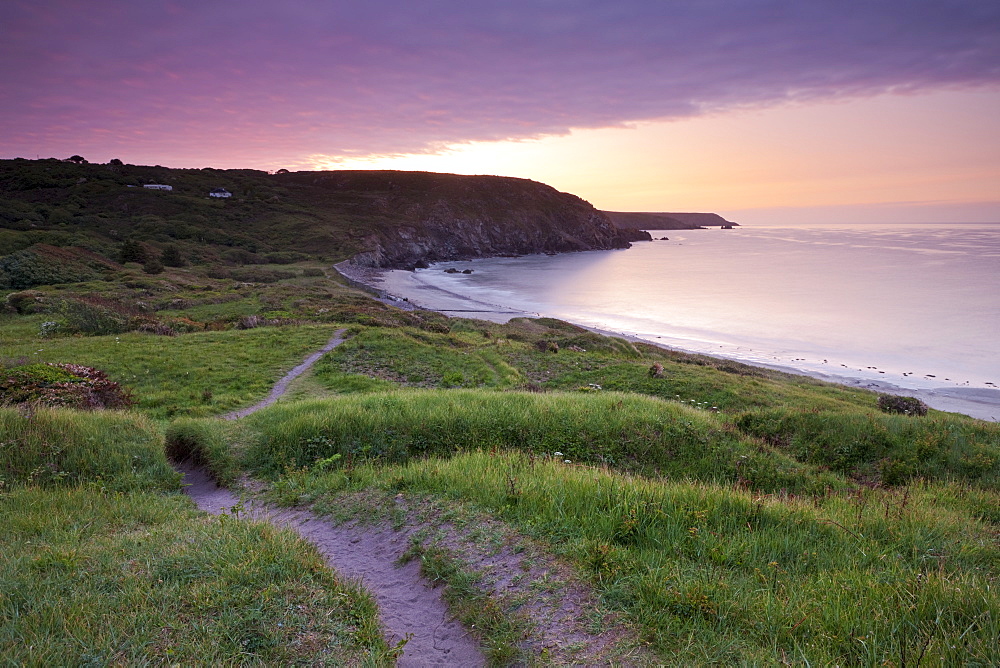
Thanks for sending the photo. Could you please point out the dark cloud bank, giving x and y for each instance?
(300, 76)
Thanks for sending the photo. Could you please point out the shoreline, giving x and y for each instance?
(399, 288)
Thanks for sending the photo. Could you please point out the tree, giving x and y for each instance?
(153, 266)
(78, 159)
(132, 251)
(116, 162)
(172, 256)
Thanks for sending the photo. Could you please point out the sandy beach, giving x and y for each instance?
(402, 289)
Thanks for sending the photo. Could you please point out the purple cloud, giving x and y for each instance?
(242, 80)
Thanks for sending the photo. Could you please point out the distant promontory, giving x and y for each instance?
(635, 220)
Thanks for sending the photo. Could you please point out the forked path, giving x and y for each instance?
(410, 608)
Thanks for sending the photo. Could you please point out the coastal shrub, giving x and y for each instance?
(94, 317)
(172, 256)
(133, 251)
(55, 446)
(153, 266)
(260, 274)
(26, 302)
(69, 385)
(891, 403)
(42, 264)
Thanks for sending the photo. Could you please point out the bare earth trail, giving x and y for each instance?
(282, 385)
(410, 608)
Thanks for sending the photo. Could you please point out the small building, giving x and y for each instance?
(220, 192)
(157, 186)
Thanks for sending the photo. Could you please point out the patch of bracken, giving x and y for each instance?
(67, 385)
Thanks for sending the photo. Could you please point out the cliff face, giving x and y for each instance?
(426, 217)
(666, 221)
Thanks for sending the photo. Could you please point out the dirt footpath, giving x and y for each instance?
(411, 610)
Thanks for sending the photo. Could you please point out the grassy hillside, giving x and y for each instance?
(401, 217)
(719, 512)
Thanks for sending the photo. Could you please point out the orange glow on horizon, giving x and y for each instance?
(938, 148)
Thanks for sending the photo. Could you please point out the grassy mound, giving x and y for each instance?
(627, 432)
(890, 449)
(52, 446)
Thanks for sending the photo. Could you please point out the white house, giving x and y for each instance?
(157, 186)
(220, 192)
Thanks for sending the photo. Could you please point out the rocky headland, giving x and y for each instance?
(434, 217)
(636, 220)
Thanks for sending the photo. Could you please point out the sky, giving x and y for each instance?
(763, 110)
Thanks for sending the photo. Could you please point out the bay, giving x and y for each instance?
(913, 306)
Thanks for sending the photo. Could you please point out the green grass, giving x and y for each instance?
(197, 374)
(779, 519)
(720, 575)
(89, 577)
(90, 532)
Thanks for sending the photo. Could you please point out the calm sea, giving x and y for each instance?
(913, 305)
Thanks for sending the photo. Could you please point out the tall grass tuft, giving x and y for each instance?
(208, 443)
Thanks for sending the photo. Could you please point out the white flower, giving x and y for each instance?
(558, 454)
(567, 461)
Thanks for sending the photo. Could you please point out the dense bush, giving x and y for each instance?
(94, 318)
(172, 257)
(890, 403)
(48, 265)
(28, 301)
(153, 266)
(132, 251)
(69, 385)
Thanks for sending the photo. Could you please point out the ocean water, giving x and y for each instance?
(917, 306)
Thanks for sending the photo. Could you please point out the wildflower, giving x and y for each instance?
(558, 454)
(567, 461)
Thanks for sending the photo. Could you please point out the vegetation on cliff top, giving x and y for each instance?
(92, 211)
